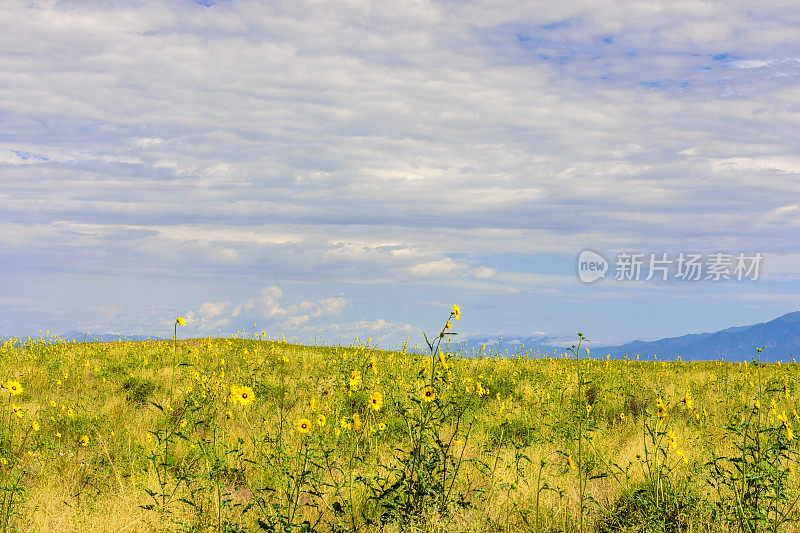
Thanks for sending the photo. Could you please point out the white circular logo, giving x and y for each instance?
(591, 266)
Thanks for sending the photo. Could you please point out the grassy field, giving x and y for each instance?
(255, 435)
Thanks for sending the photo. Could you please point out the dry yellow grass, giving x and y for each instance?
(223, 457)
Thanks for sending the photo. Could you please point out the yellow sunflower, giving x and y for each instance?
(428, 394)
(376, 401)
(679, 453)
(661, 409)
(244, 396)
(304, 426)
(14, 387)
(355, 379)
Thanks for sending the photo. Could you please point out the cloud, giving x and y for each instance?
(484, 272)
(330, 307)
(420, 146)
(268, 305)
(442, 268)
(295, 320)
(381, 331)
(209, 316)
(268, 302)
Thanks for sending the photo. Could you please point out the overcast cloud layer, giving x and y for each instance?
(343, 169)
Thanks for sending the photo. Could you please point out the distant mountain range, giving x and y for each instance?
(779, 337)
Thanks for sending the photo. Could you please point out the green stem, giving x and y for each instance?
(580, 428)
(298, 485)
(538, 491)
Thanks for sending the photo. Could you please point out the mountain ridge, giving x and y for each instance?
(780, 337)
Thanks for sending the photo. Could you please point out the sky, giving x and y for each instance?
(337, 170)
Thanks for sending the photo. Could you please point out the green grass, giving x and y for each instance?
(167, 450)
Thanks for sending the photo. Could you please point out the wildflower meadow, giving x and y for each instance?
(248, 434)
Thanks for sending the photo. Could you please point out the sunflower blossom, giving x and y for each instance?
(428, 394)
(304, 426)
(244, 396)
(14, 387)
(376, 401)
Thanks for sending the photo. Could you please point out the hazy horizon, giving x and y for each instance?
(352, 170)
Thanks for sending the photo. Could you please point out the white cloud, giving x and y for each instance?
(442, 268)
(484, 272)
(294, 322)
(387, 144)
(268, 305)
(209, 316)
(380, 331)
(268, 302)
(330, 307)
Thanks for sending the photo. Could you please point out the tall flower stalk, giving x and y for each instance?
(180, 321)
(455, 313)
(579, 402)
